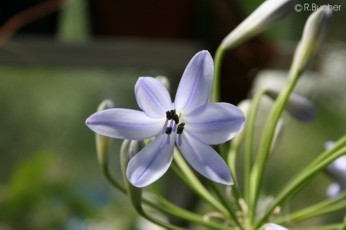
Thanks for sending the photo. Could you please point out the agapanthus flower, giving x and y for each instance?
(190, 122)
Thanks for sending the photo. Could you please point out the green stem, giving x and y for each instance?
(266, 143)
(338, 145)
(192, 181)
(176, 211)
(158, 222)
(325, 227)
(110, 179)
(232, 155)
(314, 210)
(343, 226)
(220, 52)
(139, 209)
(221, 197)
(249, 136)
(299, 181)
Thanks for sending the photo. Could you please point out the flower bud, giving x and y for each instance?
(299, 107)
(334, 190)
(244, 106)
(127, 151)
(103, 143)
(337, 172)
(266, 15)
(274, 227)
(313, 36)
(165, 82)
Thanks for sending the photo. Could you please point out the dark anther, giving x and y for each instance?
(172, 115)
(180, 128)
(169, 115)
(176, 118)
(168, 130)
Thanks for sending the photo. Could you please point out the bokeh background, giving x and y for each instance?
(60, 59)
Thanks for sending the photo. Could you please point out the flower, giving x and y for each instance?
(337, 172)
(298, 106)
(190, 122)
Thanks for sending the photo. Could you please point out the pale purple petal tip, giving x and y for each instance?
(125, 124)
(204, 159)
(151, 162)
(152, 97)
(215, 123)
(195, 85)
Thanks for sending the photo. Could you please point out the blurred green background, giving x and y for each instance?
(50, 83)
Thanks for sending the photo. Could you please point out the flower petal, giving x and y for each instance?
(204, 159)
(125, 124)
(151, 162)
(215, 123)
(195, 85)
(152, 97)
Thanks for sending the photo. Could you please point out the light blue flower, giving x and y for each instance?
(190, 122)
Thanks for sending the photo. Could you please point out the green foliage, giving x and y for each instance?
(39, 196)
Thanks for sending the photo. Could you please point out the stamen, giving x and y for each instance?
(169, 115)
(173, 125)
(164, 127)
(176, 118)
(168, 140)
(168, 130)
(179, 139)
(180, 128)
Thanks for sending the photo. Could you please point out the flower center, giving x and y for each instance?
(172, 123)
(172, 115)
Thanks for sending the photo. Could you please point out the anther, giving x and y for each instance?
(176, 118)
(180, 128)
(169, 115)
(168, 130)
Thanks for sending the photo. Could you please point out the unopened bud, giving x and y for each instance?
(298, 106)
(337, 172)
(244, 106)
(313, 36)
(266, 15)
(103, 143)
(164, 81)
(127, 151)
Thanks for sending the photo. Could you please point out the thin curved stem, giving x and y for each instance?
(177, 211)
(220, 52)
(249, 136)
(191, 180)
(325, 206)
(111, 180)
(266, 143)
